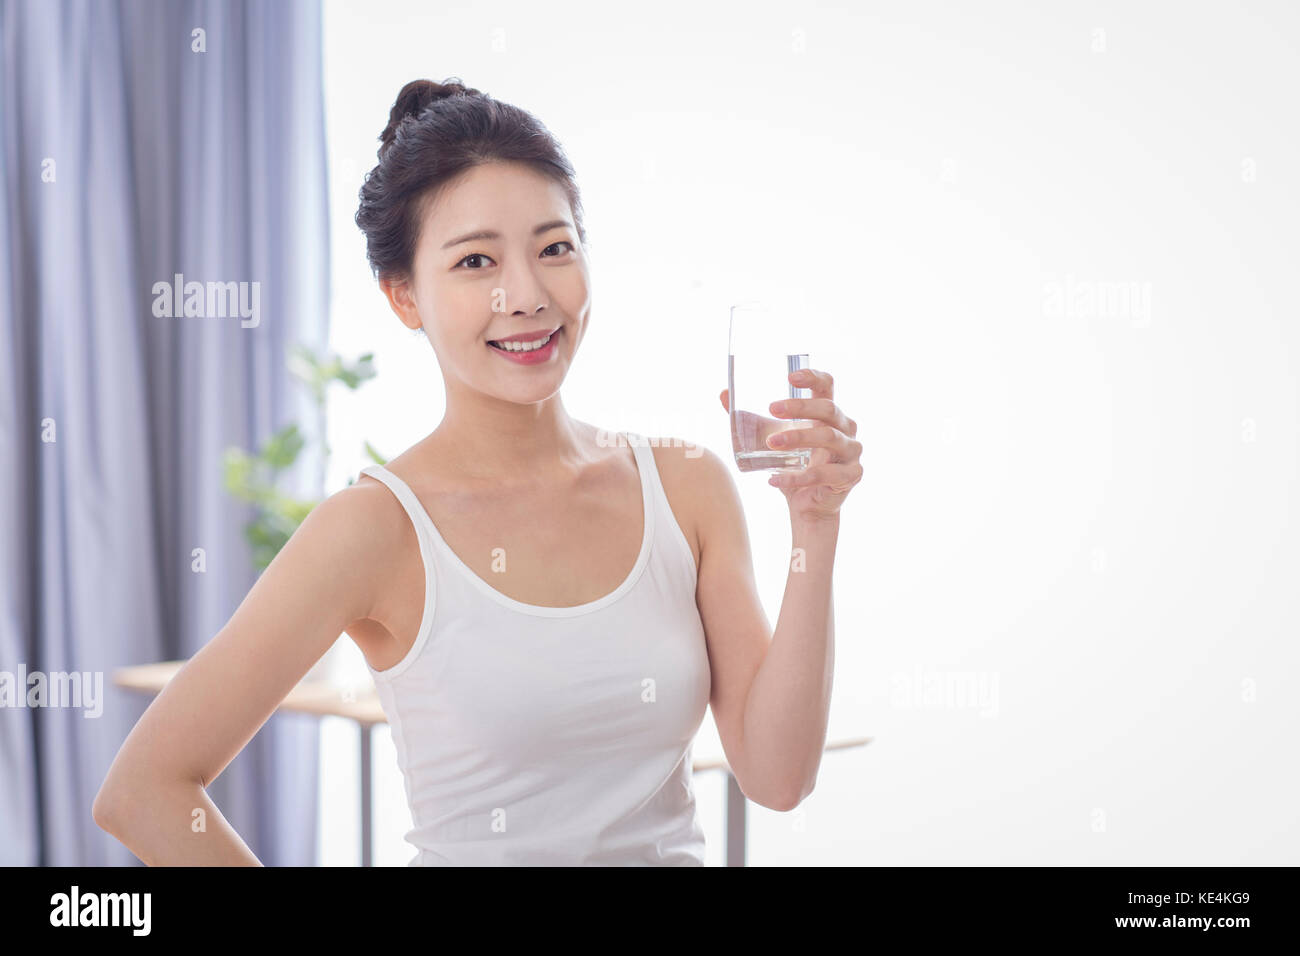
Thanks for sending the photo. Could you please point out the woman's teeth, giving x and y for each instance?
(522, 346)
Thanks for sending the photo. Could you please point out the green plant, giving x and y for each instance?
(254, 477)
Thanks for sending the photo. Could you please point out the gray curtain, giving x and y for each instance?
(127, 156)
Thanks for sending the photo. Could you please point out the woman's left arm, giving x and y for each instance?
(776, 699)
(789, 702)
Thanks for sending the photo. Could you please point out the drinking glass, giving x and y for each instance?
(764, 340)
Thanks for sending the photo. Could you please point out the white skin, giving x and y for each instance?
(354, 566)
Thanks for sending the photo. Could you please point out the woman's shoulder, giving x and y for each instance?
(366, 517)
(695, 470)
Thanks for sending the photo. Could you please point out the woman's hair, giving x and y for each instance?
(435, 132)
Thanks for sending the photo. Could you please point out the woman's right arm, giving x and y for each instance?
(325, 577)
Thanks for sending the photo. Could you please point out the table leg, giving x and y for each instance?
(366, 849)
(735, 823)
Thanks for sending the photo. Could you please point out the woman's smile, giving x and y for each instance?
(525, 351)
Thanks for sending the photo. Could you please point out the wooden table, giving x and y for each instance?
(326, 699)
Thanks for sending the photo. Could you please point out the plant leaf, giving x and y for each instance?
(282, 449)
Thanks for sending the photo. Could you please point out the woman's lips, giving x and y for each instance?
(534, 356)
(533, 336)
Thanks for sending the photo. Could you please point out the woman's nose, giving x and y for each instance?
(521, 293)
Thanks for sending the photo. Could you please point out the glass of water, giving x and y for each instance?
(764, 349)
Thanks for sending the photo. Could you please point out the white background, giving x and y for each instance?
(1048, 255)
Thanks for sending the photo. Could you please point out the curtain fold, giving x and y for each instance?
(134, 149)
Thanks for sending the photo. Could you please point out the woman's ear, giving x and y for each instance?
(402, 300)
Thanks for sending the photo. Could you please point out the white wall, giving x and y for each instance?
(1088, 510)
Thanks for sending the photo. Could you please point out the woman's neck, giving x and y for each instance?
(485, 439)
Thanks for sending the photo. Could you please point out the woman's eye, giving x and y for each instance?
(479, 255)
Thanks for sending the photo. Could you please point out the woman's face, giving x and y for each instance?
(499, 256)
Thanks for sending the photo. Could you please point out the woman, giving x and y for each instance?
(542, 696)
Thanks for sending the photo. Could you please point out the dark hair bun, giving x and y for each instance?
(414, 98)
(435, 132)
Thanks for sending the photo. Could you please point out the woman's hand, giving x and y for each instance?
(816, 492)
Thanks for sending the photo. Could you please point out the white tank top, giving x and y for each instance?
(552, 736)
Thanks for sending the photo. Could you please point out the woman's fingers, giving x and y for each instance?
(820, 383)
(840, 445)
(817, 409)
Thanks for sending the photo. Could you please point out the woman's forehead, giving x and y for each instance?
(496, 200)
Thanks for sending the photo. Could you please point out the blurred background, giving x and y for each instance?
(1047, 254)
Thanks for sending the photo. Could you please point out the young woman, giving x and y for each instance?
(546, 612)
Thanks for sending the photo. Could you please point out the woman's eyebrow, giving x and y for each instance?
(489, 234)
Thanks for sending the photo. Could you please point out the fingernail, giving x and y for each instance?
(776, 440)
(777, 407)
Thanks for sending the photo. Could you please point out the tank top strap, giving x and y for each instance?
(402, 491)
(651, 487)
(671, 544)
(425, 535)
